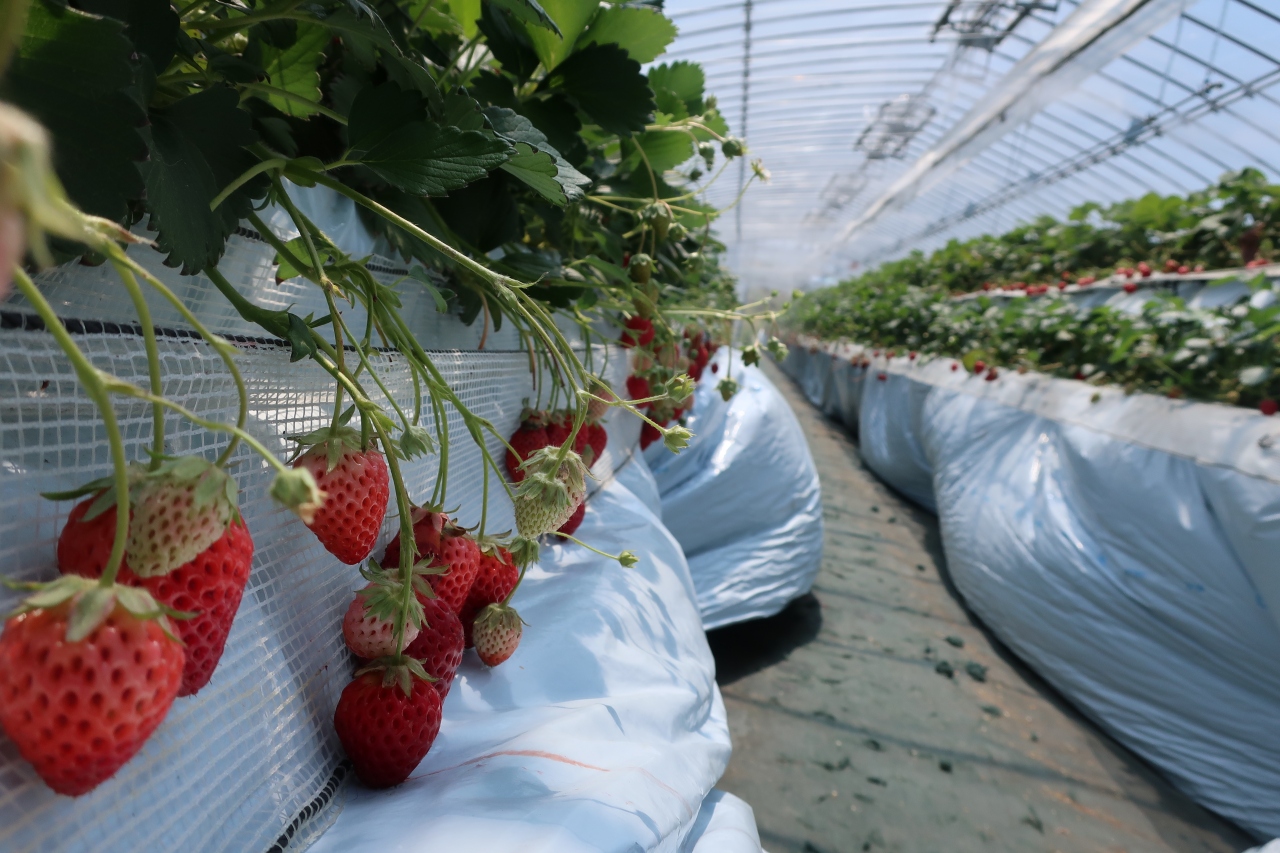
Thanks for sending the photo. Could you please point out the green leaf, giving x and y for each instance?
(462, 111)
(508, 42)
(571, 17)
(608, 86)
(529, 12)
(665, 149)
(643, 32)
(151, 25)
(377, 112)
(467, 13)
(421, 276)
(536, 162)
(427, 159)
(484, 214)
(295, 70)
(197, 148)
(70, 72)
(684, 80)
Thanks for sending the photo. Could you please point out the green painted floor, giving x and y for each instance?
(848, 738)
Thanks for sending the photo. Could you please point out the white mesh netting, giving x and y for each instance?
(255, 748)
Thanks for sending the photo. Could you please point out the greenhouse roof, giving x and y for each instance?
(889, 127)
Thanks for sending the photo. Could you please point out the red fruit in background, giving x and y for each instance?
(497, 633)
(571, 526)
(385, 732)
(1198, 268)
(1268, 407)
(442, 541)
(1130, 287)
(695, 371)
(1062, 285)
(77, 711)
(715, 368)
(531, 436)
(597, 438)
(369, 635)
(911, 356)
(955, 365)
(1171, 265)
(439, 644)
(496, 578)
(1144, 269)
(356, 492)
(560, 427)
(638, 388)
(648, 435)
(637, 331)
(979, 366)
(992, 375)
(209, 586)
(1184, 269)
(1086, 281)
(882, 377)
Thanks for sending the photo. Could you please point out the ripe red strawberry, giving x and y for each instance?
(638, 388)
(597, 438)
(443, 541)
(1268, 407)
(560, 427)
(496, 633)
(571, 526)
(369, 623)
(1170, 265)
(715, 368)
(357, 486)
(882, 377)
(210, 586)
(648, 435)
(387, 723)
(955, 365)
(1130, 287)
(992, 375)
(498, 575)
(79, 709)
(1144, 269)
(637, 331)
(439, 644)
(532, 435)
(979, 366)
(1184, 269)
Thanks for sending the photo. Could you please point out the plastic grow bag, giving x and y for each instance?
(743, 499)
(603, 733)
(255, 748)
(1125, 548)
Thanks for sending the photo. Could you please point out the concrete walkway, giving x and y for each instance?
(877, 715)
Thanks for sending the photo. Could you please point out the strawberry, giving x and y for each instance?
(638, 388)
(955, 365)
(178, 511)
(648, 435)
(571, 526)
(85, 680)
(555, 485)
(497, 577)
(357, 486)
(1268, 407)
(1144, 269)
(597, 438)
(532, 435)
(440, 643)
(559, 429)
(882, 377)
(497, 633)
(445, 543)
(387, 720)
(992, 375)
(209, 586)
(715, 368)
(595, 408)
(370, 621)
(1184, 269)
(979, 366)
(1130, 287)
(637, 331)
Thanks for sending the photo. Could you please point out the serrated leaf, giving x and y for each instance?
(151, 25)
(571, 17)
(664, 149)
(301, 343)
(536, 162)
(421, 276)
(462, 111)
(428, 159)
(608, 86)
(377, 112)
(467, 13)
(295, 69)
(70, 72)
(508, 42)
(685, 81)
(643, 32)
(528, 12)
(426, 15)
(197, 148)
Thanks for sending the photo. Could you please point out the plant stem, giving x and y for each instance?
(153, 360)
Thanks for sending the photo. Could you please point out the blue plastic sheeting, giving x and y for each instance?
(1124, 547)
(604, 732)
(725, 824)
(743, 498)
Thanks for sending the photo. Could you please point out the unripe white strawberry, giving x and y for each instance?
(551, 491)
(369, 624)
(496, 633)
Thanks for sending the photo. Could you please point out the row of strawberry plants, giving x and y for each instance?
(515, 148)
(1235, 223)
(1226, 354)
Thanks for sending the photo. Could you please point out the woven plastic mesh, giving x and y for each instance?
(252, 759)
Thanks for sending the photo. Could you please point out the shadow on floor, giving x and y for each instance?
(749, 647)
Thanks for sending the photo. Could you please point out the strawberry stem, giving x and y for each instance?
(91, 379)
(153, 360)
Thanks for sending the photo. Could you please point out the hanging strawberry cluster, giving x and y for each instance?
(525, 168)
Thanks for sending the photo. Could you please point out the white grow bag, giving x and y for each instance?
(1126, 549)
(743, 499)
(252, 762)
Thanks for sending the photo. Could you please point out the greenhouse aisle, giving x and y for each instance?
(877, 715)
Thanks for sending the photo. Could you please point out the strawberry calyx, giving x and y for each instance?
(334, 442)
(399, 670)
(384, 597)
(91, 602)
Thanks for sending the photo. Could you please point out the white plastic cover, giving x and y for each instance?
(604, 732)
(743, 499)
(726, 824)
(1125, 548)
